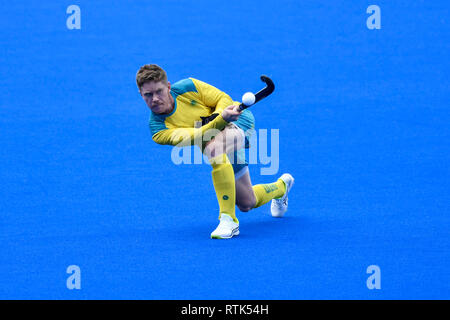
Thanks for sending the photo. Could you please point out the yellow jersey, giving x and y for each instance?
(193, 99)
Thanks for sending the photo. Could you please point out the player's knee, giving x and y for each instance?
(247, 204)
(245, 208)
(213, 149)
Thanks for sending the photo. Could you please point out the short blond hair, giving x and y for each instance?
(148, 73)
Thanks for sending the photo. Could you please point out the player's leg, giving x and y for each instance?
(249, 196)
(245, 195)
(223, 178)
(228, 140)
(280, 204)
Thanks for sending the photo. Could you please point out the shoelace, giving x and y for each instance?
(280, 202)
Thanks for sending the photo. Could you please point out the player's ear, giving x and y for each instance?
(168, 85)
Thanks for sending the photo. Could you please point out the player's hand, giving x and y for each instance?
(231, 113)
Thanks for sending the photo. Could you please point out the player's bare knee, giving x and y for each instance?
(244, 208)
(209, 151)
(247, 204)
(213, 149)
(233, 140)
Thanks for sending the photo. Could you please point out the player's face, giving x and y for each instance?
(157, 96)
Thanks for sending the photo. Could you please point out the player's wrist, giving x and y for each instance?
(222, 119)
(226, 116)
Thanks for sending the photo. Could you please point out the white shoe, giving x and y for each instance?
(280, 206)
(226, 229)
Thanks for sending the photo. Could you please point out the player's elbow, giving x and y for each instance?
(159, 139)
(155, 139)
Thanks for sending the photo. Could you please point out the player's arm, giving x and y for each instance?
(189, 136)
(225, 111)
(213, 97)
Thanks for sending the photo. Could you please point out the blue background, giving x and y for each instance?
(364, 128)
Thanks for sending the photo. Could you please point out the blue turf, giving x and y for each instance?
(364, 128)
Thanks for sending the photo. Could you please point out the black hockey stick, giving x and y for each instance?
(261, 94)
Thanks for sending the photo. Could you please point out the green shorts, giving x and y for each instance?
(246, 123)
